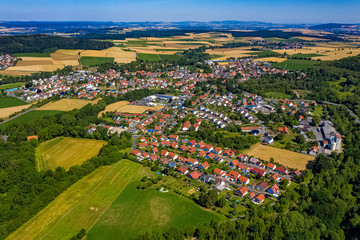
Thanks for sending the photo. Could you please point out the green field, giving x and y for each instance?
(295, 64)
(106, 202)
(169, 50)
(265, 53)
(168, 57)
(31, 55)
(278, 95)
(10, 102)
(156, 57)
(66, 152)
(92, 61)
(11, 85)
(189, 43)
(33, 116)
(302, 55)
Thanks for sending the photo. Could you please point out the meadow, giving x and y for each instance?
(108, 199)
(92, 61)
(11, 85)
(295, 64)
(66, 152)
(31, 55)
(277, 95)
(284, 157)
(34, 116)
(6, 102)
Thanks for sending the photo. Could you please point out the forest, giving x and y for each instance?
(44, 43)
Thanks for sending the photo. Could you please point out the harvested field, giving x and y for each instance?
(285, 157)
(6, 112)
(231, 52)
(67, 104)
(137, 109)
(66, 152)
(271, 59)
(114, 107)
(119, 55)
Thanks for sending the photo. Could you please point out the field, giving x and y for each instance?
(6, 112)
(125, 107)
(11, 85)
(277, 95)
(66, 152)
(67, 104)
(108, 203)
(230, 52)
(31, 55)
(271, 59)
(92, 61)
(285, 157)
(33, 116)
(295, 64)
(6, 102)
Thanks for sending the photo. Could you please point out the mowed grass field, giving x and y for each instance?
(11, 85)
(6, 102)
(66, 152)
(33, 116)
(92, 61)
(90, 203)
(67, 104)
(295, 64)
(278, 95)
(285, 157)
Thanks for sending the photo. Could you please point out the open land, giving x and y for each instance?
(66, 152)
(33, 115)
(6, 112)
(103, 201)
(284, 157)
(67, 104)
(6, 102)
(125, 107)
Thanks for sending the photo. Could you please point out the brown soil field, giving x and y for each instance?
(67, 104)
(285, 157)
(6, 112)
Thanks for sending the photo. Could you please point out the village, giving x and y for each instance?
(7, 61)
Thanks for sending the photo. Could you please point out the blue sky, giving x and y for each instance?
(279, 11)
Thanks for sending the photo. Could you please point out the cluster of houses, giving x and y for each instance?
(170, 151)
(7, 61)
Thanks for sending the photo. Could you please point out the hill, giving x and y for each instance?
(44, 43)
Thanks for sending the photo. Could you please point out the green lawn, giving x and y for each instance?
(295, 64)
(92, 61)
(31, 55)
(278, 95)
(137, 211)
(11, 85)
(107, 205)
(10, 102)
(33, 116)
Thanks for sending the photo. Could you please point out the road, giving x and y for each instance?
(8, 120)
(135, 137)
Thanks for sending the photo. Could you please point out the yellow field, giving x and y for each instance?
(6, 112)
(230, 52)
(271, 59)
(114, 107)
(66, 152)
(125, 107)
(67, 104)
(285, 157)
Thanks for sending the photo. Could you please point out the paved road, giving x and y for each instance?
(8, 120)
(135, 137)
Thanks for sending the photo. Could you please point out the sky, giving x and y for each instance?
(276, 11)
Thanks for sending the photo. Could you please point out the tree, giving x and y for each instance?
(221, 202)
(316, 120)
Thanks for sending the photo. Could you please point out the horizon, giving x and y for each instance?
(274, 11)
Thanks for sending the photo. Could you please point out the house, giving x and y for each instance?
(163, 138)
(183, 148)
(145, 155)
(283, 129)
(165, 143)
(174, 137)
(202, 154)
(194, 175)
(191, 150)
(276, 177)
(204, 165)
(32, 137)
(258, 171)
(219, 172)
(241, 157)
(186, 126)
(192, 161)
(155, 150)
(220, 185)
(200, 144)
(243, 168)
(234, 175)
(234, 163)
(192, 143)
(241, 191)
(153, 139)
(274, 190)
(243, 180)
(143, 139)
(182, 170)
(262, 186)
(136, 152)
(172, 155)
(143, 145)
(271, 166)
(153, 157)
(217, 150)
(258, 199)
(164, 153)
(210, 155)
(268, 140)
(283, 179)
(282, 170)
(207, 147)
(252, 195)
(296, 173)
(174, 145)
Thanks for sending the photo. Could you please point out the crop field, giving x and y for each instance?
(92, 61)
(295, 64)
(67, 104)
(114, 106)
(33, 115)
(108, 203)
(31, 55)
(231, 52)
(6, 112)
(66, 152)
(270, 59)
(285, 157)
(148, 57)
(6, 102)
(125, 107)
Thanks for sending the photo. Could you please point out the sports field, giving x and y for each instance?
(66, 152)
(90, 203)
(285, 157)
(6, 102)
(67, 104)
